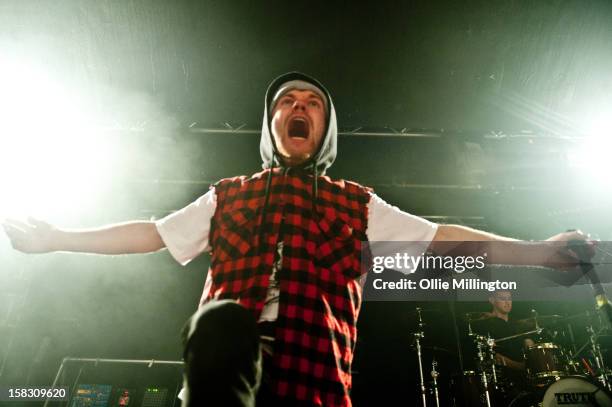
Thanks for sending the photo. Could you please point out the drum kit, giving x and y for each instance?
(556, 369)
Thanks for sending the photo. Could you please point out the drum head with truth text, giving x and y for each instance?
(575, 391)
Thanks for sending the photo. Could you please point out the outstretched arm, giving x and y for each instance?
(387, 223)
(550, 253)
(458, 233)
(35, 236)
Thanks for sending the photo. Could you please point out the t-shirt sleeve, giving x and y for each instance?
(388, 223)
(186, 231)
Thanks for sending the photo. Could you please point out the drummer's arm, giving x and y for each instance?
(509, 363)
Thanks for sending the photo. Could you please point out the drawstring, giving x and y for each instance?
(315, 191)
(265, 205)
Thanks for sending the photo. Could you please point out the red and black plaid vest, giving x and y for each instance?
(320, 295)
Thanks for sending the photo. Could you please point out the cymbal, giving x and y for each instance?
(478, 316)
(541, 319)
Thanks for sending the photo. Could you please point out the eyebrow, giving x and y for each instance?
(311, 95)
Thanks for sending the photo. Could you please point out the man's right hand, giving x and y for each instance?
(33, 236)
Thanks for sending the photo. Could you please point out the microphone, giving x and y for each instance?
(585, 253)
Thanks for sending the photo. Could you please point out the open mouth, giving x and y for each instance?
(298, 128)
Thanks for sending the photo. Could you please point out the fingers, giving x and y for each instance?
(15, 235)
(582, 250)
(16, 224)
(13, 229)
(577, 247)
(19, 234)
(32, 223)
(578, 235)
(569, 236)
(572, 235)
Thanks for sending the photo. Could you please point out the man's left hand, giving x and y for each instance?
(569, 249)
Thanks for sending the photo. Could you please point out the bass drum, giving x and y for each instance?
(567, 391)
(575, 391)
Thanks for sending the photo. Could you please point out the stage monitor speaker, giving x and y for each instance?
(119, 383)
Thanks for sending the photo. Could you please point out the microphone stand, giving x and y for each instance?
(588, 269)
(602, 304)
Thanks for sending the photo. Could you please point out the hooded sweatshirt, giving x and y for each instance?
(326, 154)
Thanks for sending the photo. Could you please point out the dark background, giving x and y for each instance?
(481, 104)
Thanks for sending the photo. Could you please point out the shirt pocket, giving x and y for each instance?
(236, 234)
(337, 246)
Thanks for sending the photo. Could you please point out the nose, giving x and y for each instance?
(299, 105)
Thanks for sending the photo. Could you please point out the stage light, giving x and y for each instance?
(52, 161)
(592, 157)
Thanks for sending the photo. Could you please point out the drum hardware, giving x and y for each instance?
(417, 344)
(587, 367)
(434, 376)
(473, 317)
(485, 355)
(432, 389)
(507, 338)
(599, 360)
(482, 343)
(491, 345)
(599, 371)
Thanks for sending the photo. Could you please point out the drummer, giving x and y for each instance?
(498, 324)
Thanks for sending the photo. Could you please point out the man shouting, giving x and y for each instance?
(277, 318)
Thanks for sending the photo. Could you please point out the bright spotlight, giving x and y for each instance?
(593, 157)
(52, 162)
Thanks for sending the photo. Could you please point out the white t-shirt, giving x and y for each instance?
(185, 233)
